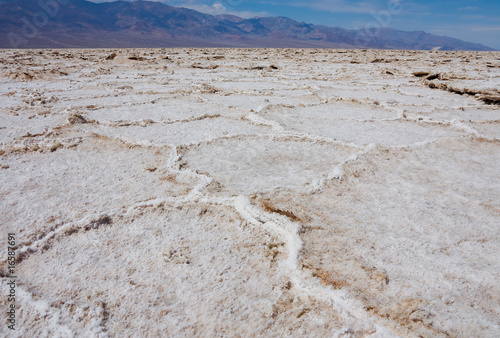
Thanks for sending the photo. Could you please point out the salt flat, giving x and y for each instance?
(251, 192)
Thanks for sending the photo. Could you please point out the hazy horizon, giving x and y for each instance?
(478, 23)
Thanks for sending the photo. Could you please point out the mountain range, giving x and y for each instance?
(85, 24)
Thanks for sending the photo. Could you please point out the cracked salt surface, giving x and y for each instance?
(164, 197)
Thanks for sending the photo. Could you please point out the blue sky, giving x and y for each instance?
(475, 21)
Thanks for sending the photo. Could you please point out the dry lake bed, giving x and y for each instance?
(250, 192)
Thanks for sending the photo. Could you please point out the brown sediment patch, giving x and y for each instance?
(491, 208)
(169, 178)
(485, 96)
(267, 206)
(412, 316)
(200, 66)
(77, 119)
(136, 58)
(326, 278)
(490, 99)
(420, 74)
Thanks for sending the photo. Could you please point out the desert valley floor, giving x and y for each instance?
(251, 192)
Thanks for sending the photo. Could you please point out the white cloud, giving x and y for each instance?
(199, 5)
(218, 8)
(214, 9)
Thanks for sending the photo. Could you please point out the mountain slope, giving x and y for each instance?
(80, 23)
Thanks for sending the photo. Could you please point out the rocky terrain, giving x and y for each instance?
(251, 192)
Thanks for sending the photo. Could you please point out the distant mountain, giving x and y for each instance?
(80, 23)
